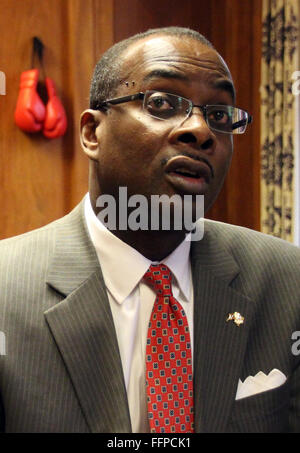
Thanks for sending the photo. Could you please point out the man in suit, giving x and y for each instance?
(74, 304)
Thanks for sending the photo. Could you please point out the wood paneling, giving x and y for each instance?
(32, 168)
(236, 33)
(42, 179)
(134, 16)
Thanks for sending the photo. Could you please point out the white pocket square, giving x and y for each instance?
(261, 382)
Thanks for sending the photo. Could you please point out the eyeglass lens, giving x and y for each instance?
(222, 118)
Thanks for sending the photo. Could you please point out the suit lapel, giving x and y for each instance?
(219, 346)
(83, 329)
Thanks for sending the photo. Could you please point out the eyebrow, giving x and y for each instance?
(165, 74)
(221, 84)
(226, 85)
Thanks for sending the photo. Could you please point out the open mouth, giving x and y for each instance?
(187, 175)
(189, 168)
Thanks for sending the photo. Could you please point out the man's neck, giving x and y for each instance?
(154, 245)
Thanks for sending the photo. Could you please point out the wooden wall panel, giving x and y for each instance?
(236, 33)
(41, 179)
(32, 168)
(134, 16)
(79, 40)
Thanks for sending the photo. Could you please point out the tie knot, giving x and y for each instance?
(160, 278)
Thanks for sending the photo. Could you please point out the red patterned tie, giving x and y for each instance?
(169, 378)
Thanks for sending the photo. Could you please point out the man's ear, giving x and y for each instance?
(89, 139)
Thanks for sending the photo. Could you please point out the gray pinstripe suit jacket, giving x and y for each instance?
(62, 370)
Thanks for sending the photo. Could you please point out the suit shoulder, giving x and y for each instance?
(242, 241)
(268, 267)
(40, 234)
(34, 245)
(28, 239)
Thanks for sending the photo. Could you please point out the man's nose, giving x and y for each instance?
(195, 132)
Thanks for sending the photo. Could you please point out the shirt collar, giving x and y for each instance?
(123, 267)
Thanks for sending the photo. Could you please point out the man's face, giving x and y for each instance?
(153, 156)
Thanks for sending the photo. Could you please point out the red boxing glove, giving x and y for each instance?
(30, 110)
(55, 123)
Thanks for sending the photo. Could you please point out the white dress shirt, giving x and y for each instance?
(131, 301)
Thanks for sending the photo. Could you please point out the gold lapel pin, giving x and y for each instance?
(236, 317)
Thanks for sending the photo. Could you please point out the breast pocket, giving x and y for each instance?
(265, 412)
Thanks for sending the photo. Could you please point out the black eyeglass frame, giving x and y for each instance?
(141, 95)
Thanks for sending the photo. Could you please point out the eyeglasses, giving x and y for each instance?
(166, 106)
